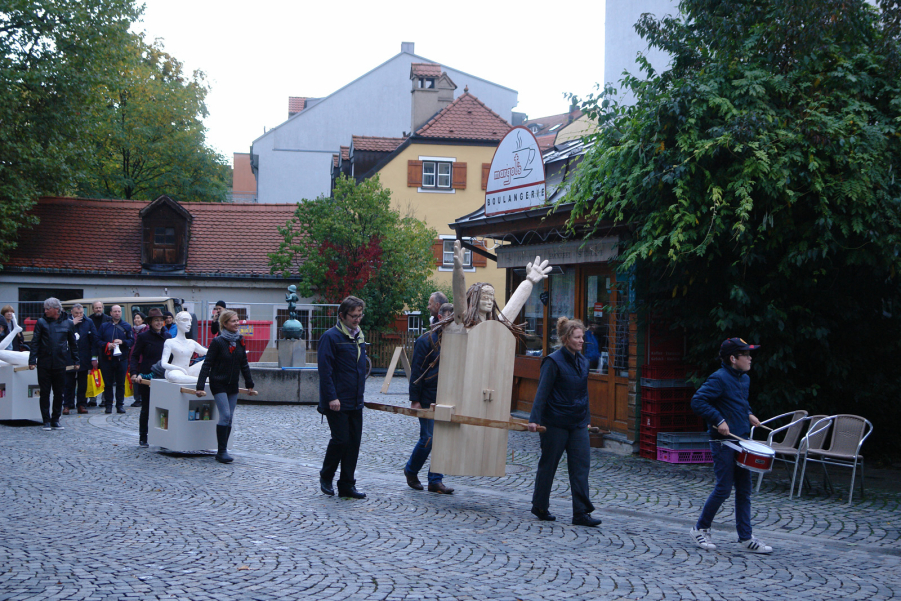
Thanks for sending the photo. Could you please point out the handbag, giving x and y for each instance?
(95, 384)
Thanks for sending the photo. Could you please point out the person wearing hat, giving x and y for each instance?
(148, 350)
(723, 403)
(214, 322)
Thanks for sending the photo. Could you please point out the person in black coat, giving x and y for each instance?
(114, 339)
(423, 391)
(77, 381)
(226, 357)
(341, 362)
(53, 348)
(561, 406)
(148, 350)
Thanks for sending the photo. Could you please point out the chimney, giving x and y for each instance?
(432, 91)
(407, 47)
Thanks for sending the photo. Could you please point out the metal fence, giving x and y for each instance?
(261, 325)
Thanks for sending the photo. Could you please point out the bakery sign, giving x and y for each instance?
(516, 178)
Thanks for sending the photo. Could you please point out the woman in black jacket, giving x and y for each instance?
(226, 357)
(561, 406)
(147, 351)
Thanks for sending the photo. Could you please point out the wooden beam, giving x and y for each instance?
(391, 367)
(519, 425)
(194, 390)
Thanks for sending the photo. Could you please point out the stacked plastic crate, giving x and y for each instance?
(665, 406)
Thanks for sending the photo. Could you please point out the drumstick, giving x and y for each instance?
(739, 437)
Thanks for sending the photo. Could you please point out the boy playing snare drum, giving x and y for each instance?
(723, 403)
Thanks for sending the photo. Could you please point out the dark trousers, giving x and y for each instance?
(344, 446)
(76, 388)
(421, 451)
(728, 475)
(145, 411)
(113, 371)
(52, 380)
(578, 459)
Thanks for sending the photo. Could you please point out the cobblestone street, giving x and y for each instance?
(87, 514)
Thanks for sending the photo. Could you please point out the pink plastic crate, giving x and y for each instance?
(685, 456)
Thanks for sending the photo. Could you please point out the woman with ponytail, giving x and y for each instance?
(561, 406)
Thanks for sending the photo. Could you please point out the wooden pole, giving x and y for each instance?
(511, 424)
(25, 367)
(391, 367)
(194, 391)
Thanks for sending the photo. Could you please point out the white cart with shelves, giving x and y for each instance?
(19, 394)
(173, 418)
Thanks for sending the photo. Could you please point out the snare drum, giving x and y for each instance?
(753, 456)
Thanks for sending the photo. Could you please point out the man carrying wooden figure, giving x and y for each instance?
(478, 347)
(423, 390)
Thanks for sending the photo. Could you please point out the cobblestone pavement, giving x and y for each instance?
(86, 514)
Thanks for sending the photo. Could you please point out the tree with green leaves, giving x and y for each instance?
(354, 243)
(54, 56)
(757, 180)
(151, 138)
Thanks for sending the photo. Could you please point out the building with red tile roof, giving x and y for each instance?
(466, 118)
(105, 248)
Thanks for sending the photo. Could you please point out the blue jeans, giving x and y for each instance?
(421, 451)
(728, 474)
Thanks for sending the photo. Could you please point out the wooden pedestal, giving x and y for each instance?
(180, 433)
(476, 378)
(19, 394)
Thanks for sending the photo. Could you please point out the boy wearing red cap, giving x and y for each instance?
(723, 403)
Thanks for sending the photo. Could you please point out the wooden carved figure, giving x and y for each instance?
(478, 348)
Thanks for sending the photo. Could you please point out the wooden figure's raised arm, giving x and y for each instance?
(459, 284)
(535, 272)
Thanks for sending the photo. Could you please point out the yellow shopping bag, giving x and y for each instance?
(129, 390)
(95, 384)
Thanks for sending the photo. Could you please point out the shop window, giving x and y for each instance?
(534, 323)
(562, 298)
(597, 320)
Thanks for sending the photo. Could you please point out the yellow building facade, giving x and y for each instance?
(439, 206)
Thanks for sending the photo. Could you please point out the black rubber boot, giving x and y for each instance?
(222, 455)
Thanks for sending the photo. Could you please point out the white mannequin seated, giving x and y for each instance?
(16, 358)
(180, 371)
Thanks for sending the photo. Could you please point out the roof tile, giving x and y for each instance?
(466, 118)
(425, 70)
(375, 144)
(105, 235)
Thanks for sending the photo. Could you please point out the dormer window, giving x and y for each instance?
(166, 228)
(426, 83)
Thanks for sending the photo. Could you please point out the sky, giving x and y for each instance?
(257, 54)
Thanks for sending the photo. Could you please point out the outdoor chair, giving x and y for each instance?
(787, 448)
(848, 435)
(816, 438)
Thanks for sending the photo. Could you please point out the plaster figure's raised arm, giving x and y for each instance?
(535, 272)
(459, 284)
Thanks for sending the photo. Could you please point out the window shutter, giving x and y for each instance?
(438, 251)
(477, 259)
(459, 178)
(486, 169)
(414, 174)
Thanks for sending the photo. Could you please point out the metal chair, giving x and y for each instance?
(848, 435)
(788, 446)
(816, 437)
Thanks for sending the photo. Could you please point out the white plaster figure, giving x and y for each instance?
(180, 371)
(16, 358)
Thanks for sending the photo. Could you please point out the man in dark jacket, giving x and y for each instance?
(341, 360)
(53, 348)
(148, 350)
(113, 341)
(77, 381)
(423, 390)
(723, 403)
(214, 321)
(98, 317)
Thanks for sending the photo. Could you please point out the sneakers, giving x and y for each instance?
(47, 426)
(143, 444)
(702, 539)
(752, 545)
(56, 426)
